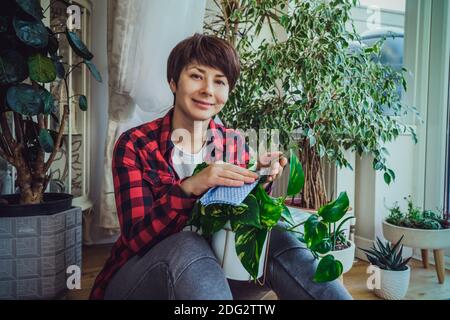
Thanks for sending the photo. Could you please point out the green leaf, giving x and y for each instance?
(199, 168)
(32, 33)
(82, 102)
(32, 7)
(42, 69)
(335, 210)
(329, 269)
(211, 225)
(13, 68)
(387, 178)
(322, 247)
(251, 215)
(249, 243)
(93, 69)
(286, 215)
(78, 46)
(46, 140)
(48, 100)
(315, 231)
(392, 174)
(25, 99)
(296, 176)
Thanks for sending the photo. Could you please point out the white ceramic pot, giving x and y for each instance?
(393, 284)
(417, 238)
(223, 245)
(345, 256)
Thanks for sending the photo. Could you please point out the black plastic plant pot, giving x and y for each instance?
(53, 203)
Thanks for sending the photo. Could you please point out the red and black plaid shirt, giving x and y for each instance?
(150, 202)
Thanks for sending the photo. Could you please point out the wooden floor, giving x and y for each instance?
(423, 285)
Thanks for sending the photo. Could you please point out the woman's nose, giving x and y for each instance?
(208, 87)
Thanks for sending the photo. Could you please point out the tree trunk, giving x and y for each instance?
(313, 195)
(30, 191)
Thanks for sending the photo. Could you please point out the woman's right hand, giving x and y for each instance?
(217, 174)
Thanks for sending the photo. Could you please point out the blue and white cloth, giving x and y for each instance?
(227, 195)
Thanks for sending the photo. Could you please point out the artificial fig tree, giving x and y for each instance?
(313, 80)
(30, 60)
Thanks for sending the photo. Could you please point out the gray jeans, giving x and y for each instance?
(183, 266)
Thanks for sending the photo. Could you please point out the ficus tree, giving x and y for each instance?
(313, 80)
(29, 60)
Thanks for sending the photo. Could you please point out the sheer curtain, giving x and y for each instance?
(141, 34)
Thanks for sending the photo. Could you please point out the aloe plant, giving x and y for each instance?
(259, 213)
(387, 256)
(30, 59)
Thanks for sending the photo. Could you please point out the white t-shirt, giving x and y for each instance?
(184, 162)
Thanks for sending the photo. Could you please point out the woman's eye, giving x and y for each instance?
(220, 82)
(195, 76)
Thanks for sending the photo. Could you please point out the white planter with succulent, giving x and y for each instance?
(422, 229)
(392, 272)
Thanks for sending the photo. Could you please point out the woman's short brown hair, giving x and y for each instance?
(207, 50)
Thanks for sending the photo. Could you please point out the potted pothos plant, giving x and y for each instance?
(32, 133)
(423, 229)
(252, 221)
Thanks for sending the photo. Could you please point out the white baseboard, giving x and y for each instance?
(364, 243)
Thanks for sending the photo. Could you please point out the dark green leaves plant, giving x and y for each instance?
(29, 60)
(387, 256)
(260, 213)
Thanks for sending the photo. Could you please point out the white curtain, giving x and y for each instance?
(141, 34)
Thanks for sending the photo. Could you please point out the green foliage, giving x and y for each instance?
(82, 102)
(29, 59)
(260, 213)
(310, 76)
(42, 69)
(387, 256)
(416, 218)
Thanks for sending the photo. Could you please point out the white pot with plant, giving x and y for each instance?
(393, 273)
(342, 248)
(245, 227)
(422, 229)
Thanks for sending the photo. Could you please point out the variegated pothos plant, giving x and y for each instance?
(260, 213)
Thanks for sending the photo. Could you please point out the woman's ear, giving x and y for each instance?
(173, 86)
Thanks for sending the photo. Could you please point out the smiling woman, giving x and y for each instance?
(152, 259)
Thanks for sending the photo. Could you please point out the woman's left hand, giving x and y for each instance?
(275, 162)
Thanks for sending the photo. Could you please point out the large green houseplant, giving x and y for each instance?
(304, 74)
(259, 213)
(38, 249)
(30, 60)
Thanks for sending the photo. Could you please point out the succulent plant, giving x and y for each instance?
(387, 256)
(416, 218)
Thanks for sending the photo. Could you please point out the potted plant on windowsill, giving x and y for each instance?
(422, 229)
(40, 232)
(249, 224)
(394, 273)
